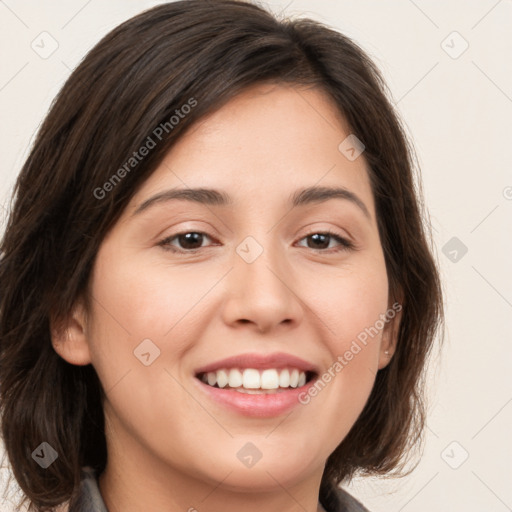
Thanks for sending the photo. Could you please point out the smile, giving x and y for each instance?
(256, 385)
(254, 381)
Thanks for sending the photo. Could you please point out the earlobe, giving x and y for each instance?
(390, 336)
(69, 337)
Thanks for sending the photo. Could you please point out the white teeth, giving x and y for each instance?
(222, 378)
(294, 378)
(254, 380)
(284, 379)
(235, 378)
(251, 379)
(212, 378)
(269, 379)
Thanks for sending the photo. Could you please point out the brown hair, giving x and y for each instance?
(131, 82)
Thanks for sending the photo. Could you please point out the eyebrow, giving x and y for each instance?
(214, 197)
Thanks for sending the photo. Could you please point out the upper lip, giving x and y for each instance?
(260, 362)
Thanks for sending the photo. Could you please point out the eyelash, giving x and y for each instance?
(346, 245)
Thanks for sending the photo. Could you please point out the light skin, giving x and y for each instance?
(169, 446)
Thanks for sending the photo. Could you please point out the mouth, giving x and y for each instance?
(257, 385)
(256, 381)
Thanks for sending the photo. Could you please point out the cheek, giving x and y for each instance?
(351, 306)
(141, 316)
(138, 301)
(145, 307)
(128, 308)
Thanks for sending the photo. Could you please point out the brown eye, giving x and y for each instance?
(189, 241)
(321, 241)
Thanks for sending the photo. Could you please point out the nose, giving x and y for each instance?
(262, 292)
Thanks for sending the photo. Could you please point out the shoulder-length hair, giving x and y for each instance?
(133, 81)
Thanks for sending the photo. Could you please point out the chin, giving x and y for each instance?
(273, 468)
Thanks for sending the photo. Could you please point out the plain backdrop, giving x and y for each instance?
(448, 65)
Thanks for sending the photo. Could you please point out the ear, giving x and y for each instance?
(390, 333)
(69, 336)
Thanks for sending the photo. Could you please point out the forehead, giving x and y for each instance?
(264, 143)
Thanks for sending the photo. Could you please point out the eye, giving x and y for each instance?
(321, 241)
(190, 241)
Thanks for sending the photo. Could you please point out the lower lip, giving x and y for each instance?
(264, 405)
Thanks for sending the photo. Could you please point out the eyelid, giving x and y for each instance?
(346, 242)
(165, 242)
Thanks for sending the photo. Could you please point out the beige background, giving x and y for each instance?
(458, 109)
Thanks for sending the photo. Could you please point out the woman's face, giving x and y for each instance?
(256, 278)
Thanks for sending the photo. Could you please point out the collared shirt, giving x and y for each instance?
(90, 500)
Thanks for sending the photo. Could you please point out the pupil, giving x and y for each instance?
(319, 236)
(190, 238)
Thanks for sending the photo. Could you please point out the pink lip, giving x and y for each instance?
(259, 362)
(262, 406)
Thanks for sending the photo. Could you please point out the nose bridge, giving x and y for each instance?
(260, 259)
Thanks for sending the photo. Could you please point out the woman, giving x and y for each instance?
(218, 292)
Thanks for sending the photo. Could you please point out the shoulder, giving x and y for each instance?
(350, 503)
(336, 499)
